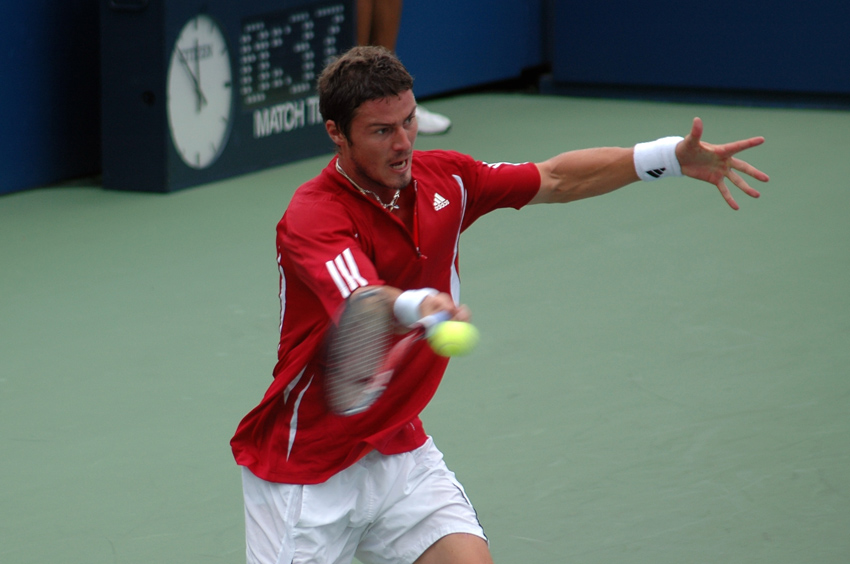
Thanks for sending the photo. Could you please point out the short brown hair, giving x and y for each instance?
(361, 74)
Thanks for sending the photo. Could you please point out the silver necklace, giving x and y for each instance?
(389, 207)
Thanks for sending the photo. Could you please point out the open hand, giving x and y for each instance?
(715, 163)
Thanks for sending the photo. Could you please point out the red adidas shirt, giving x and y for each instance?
(331, 240)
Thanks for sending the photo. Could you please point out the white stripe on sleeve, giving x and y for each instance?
(352, 267)
(343, 288)
(345, 273)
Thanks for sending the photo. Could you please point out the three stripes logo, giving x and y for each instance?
(439, 202)
(345, 274)
(656, 173)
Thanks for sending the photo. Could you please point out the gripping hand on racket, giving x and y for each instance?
(715, 163)
(444, 302)
(430, 304)
(362, 352)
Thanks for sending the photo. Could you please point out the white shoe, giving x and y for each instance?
(431, 123)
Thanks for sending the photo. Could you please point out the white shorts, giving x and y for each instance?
(383, 510)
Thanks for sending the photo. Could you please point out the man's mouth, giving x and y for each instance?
(399, 165)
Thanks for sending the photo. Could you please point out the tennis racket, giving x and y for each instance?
(361, 356)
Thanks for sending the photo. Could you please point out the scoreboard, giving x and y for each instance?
(194, 92)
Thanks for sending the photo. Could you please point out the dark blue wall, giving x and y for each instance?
(449, 44)
(50, 92)
(801, 47)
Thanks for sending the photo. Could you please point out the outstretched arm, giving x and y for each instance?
(584, 173)
(591, 172)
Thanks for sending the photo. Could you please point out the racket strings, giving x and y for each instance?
(356, 354)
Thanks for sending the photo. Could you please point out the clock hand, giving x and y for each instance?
(201, 98)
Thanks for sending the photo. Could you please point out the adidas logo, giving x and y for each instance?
(657, 173)
(440, 202)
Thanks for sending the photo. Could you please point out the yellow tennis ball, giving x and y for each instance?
(453, 338)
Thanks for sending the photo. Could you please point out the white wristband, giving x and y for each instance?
(406, 306)
(657, 159)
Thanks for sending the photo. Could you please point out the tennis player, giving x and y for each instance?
(325, 488)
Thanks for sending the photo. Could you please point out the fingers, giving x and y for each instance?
(749, 170)
(436, 303)
(742, 145)
(716, 163)
(726, 149)
(727, 195)
(462, 314)
(696, 130)
(444, 302)
(742, 184)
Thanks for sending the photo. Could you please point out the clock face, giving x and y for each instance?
(200, 92)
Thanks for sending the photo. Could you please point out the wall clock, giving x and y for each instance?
(199, 92)
(195, 92)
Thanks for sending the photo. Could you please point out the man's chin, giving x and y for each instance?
(398, 182)
(405, 183)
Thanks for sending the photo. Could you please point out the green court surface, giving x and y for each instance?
(660, 379)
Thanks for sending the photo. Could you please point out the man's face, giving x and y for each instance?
(377, 153)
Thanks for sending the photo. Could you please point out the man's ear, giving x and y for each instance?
(334, 133)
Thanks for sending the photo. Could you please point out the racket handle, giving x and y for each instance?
(430, 321)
